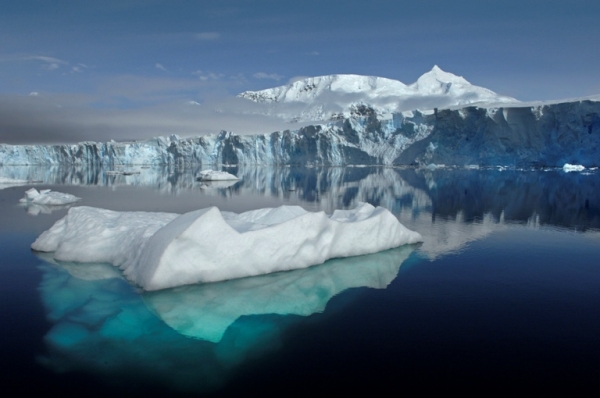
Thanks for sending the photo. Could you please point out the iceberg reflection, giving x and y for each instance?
(206, 311)
(102, 326)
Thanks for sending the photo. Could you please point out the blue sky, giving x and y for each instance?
(133, 54)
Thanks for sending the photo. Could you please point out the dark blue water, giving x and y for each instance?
(503, 293)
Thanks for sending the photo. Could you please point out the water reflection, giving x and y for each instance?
(191, 338)
(569, 200)
(206, 311)
(35, 209)
(101, 325)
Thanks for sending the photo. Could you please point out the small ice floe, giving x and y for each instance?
(567, 168)
(162, 250)
(48, 197)
(214, 175)
(10, 182)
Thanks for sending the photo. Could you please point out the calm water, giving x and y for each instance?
(503, 290)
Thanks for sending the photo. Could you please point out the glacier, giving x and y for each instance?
(163, 250)
(534, 135)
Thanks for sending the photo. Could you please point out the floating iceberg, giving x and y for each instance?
(163, 250)
(48, 197)
(572, 167)
(213, 175)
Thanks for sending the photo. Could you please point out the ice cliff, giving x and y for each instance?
(522, 136)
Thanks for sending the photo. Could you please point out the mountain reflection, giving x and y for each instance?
(555, 198)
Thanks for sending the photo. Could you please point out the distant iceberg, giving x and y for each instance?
(48, 197)
(567, 168)
(213, 175)
(163, 250)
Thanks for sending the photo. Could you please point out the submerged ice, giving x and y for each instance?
(163, 250)
(194, 335)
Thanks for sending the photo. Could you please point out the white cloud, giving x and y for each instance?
(271, 76)
(313, 53)
(207, 36)
(160, 66)
(34, 94)
(204, 76)
(48, 63)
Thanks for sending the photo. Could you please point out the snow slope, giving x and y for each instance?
(334, 96)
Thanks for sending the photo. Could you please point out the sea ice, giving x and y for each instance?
(162, 250)
(572, 167)
(48, 197)
(214, 175)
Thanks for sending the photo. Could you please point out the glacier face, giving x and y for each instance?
(542, 135)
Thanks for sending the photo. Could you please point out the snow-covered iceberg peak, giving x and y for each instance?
(158, 251)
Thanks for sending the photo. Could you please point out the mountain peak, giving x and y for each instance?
(436, 76)
(324, 97)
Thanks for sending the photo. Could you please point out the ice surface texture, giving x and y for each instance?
(161, 250)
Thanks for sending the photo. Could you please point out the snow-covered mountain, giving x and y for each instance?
(337, 96)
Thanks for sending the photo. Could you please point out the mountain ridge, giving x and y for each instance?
(328, 97)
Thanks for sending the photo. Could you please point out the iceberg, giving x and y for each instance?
(163, 250)
(213, 175)
(48, 197)
(567, 168)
